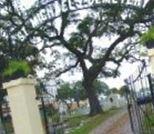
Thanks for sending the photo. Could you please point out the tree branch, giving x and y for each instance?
(67, 69)
(95, 69)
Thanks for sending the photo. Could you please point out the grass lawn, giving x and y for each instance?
(149, 119)
(149, 123)
(88, 123)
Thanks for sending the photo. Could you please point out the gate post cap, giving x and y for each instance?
(151, 52)
(20, 81)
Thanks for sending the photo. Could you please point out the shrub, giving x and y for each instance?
(148, 36)
(16, 69)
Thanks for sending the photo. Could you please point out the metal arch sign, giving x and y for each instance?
(76, 4)
(54, 9)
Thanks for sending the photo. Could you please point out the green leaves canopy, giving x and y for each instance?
(76, 91)
(65, 92)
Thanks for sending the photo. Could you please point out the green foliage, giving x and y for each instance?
(75, 121)
(91, 122)
(101, 87)
(124, 90)
(148, 36)
(2, 63)
(85, 25)
(15, 67)
(76, 91)
(56, 118)
(65, 92)
(76, 40)
(80, 91)
(148, 123)
(2, 94)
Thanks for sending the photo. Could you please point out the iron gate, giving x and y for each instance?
(140, 100)
(51, 118)
(6, 126)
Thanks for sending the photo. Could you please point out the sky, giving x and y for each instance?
(126, 69)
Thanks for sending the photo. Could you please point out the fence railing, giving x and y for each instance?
(141, 102)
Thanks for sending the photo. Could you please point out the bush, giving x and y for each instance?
(56, 118)
(16, 69)
(148, 38)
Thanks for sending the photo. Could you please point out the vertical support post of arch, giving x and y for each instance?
(151, 56)
(23, 104)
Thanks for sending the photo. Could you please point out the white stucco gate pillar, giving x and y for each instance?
(24, 109)
(151, 56)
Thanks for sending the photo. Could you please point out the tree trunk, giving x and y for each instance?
(78, 103)
(95, 107)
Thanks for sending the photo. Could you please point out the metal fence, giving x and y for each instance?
(52, 119)
(6, 126)
(140, 100)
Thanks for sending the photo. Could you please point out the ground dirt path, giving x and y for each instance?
(117, 124)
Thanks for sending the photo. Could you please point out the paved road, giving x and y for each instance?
(117, 124)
